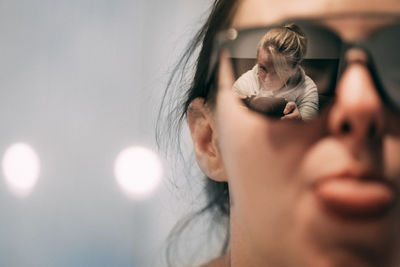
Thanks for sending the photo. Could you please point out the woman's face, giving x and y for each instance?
(313, 194)
(270, 77)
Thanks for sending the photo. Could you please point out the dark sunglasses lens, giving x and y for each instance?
(276, 65)
(384, 48)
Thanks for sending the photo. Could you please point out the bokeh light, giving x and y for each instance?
(138, 171)
(21, 168)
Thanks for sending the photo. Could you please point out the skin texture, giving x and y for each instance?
(272, 166)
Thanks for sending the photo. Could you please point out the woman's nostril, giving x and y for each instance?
(372, 130)
(346, 127)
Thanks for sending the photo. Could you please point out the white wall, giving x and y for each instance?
(79, 81)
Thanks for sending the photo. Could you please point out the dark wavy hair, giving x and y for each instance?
(187, 82)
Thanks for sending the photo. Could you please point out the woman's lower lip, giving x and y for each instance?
(355, 198)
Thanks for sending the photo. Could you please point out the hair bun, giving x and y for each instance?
(293, 27)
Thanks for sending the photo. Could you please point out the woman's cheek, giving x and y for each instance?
(392, 159)
(262, 75)
(241, 135)
(256, 150)
(252, 161)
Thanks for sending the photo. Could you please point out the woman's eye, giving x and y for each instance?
(263, 69)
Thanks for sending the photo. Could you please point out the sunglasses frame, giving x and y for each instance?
(226, 38)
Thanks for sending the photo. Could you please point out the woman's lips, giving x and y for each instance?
(354, 197)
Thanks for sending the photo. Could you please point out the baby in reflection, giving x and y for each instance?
(278, 76)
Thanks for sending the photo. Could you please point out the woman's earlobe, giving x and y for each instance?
(204, 136)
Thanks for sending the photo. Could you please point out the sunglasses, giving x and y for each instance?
(267, 77)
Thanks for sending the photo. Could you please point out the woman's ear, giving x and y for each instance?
(205, 140)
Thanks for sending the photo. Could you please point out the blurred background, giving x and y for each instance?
(82, 183)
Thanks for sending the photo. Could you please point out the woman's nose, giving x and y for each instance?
(358, 109)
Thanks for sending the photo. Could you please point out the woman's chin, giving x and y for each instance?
(332, 239)
(348, 257)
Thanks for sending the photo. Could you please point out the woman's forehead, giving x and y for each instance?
(270, 11)
(265, 58)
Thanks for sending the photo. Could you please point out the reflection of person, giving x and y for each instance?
(278, 72)
(291, 193)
